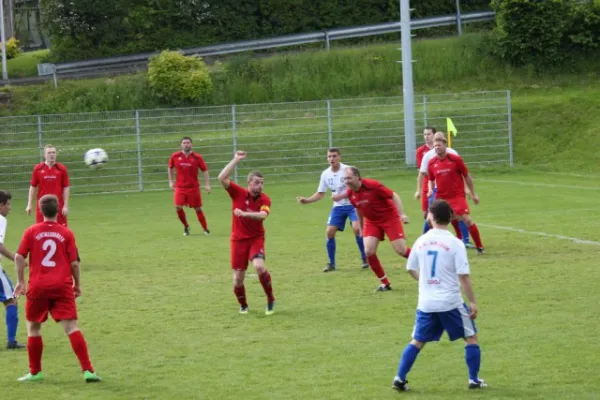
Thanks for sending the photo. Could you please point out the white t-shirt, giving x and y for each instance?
(439, 257)
(429, 155)
(334, 181)
(2, 234)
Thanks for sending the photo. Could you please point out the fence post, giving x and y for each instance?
(39, 130)
(510, 138)
(425, 111)
(458, 18)
(234, 133)
(139, 149)
(329, 126)
(327, 40)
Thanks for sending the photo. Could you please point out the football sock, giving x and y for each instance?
(81, 351)
(378, 269)
(240, 294)
(202, 219)
(12, 321)
(409, 355)
(265, 281)
(464, 231)
(35, 347)
(361, 247)
(456, 229)
(475, 235)
(473, 359)
(331, 250)
(426, 227)
(182, 217)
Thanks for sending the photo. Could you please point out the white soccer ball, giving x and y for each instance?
(95, 158)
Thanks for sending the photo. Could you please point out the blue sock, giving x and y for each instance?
(331, 250)
(464, 231)
(426, 227)
(361, 247)
(409, 355)
(12, 321)
(473, 359)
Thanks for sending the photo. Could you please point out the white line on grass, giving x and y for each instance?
(572, 239)
(539, 184)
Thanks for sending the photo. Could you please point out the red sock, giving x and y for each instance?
(240, 293)
(265, 281)
(474, 231)
(456, 229)
(408, 249)
(182, 218)
(35, 346)
(81, 351)
(202, 219)
(378, 269)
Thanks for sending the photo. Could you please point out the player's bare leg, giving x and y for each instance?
(240, 290)
(80, 348)
(473, 359)
(265, 280)
(202, 220)
(360, 243)
(474, 231)
(400, 247)
(371, 244)
(35, 347)
(330, 244)
(183, 219)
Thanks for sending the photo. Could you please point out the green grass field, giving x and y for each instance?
(161, 320)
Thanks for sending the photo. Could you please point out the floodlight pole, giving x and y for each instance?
(3, 38)
(408, 92)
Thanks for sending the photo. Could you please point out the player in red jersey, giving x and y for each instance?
(49, 177)
(380, 213)
(422, 187)
(450, 175)
(250, 208)
(187, 188)
(54, 284)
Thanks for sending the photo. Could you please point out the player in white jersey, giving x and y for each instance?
(333, 179)
(439, 262)
(6, 287)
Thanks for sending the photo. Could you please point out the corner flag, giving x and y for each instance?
(451, 129)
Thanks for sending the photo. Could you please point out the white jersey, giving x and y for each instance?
(429, 155)
(334, 181)
(440, 258)
(2, 234)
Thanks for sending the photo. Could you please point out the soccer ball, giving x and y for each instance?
(95, 158)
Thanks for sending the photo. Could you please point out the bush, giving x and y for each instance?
(178, 79)
(12, 48)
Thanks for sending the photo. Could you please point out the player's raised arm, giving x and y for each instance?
(312, 199)
(224, 174)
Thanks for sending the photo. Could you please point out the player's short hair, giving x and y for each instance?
(430, 128)
(355, 171)
(254, 174)
(440, 137)
(5, 197)
(186, 138)
(49, 205)
(441, 211)
(49, 146)
(334, 150)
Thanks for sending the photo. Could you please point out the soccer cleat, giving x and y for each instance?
(207, 232)
(480, 251)
(244, 310)
(32, 378)
(480, 384)
(400, 385)
(383, 288)
(269, 310)
(91, 377)
(186, 231)
(15, 345)
(469, 245)
(365, 264)
(329, 268)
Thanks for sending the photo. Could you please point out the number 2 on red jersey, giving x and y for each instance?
(49, 247)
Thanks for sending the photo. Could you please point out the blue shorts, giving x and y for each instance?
(432, 197)
(338, 215)
(6, 287)
(429, 327)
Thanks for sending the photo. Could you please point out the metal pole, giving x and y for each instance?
(139, 149)
(424, 111)
(327, 40)
(3, 38)
(39, 129)
(458, 18)
(510, 138)
(407, 85)
(11, 7)
(234, 132)
(329, 126)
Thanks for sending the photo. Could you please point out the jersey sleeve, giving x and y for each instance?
(462, 167)
(2, 229)
(384, 192)
(71, 248)
(425, 164)
(201, 164)
(25, 245)
(65, 178)
(461, 262)
(322, 184)
(172, 162)
(412, 264)
(420, 155)
(234, 190)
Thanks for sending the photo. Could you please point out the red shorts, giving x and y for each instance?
(60, 218)
(392, 229)
(459, 205)
(188, 197)
(246, 250)
(61, 308)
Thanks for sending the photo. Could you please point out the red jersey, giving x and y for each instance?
(187, 168)
(246, 228)
(420, 153)
(50, 180)
(51, 248)
(374, 201)
(448, 175)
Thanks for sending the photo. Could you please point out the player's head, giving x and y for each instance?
(428, 133)
(352, 178)
(49, 206)
(440, 144)
(256, 181)
(186, 144)
(334, 156)
(5, 198)
(50, 153)
(440, 213)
